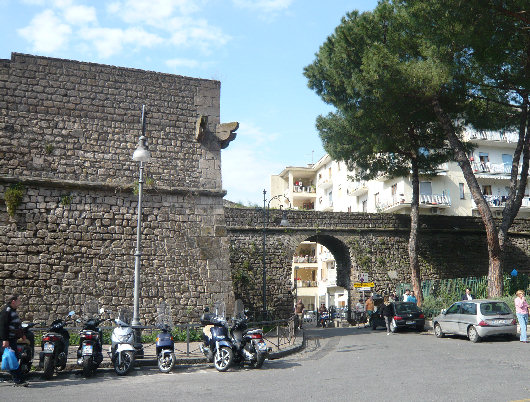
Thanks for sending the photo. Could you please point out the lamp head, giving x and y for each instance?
(141, 153)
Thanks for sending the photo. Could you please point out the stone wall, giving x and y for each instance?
(67, 133)
(450, 247)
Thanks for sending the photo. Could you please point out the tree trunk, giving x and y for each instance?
(495, 283)
(415, 275)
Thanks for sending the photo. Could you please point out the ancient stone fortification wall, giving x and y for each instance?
(67, 133)
(450, 247)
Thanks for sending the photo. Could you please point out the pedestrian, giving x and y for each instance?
(369, 307)
(467, 295)
(521, 309)
(387, 312)
(10, 331)
(412, 298)
(299, 311)
(406, 295)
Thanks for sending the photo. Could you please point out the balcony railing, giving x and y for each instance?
(304, 189)
(301, 259)
(500, 201)
(425, 200)
(492, 168)
(306, 284)
(493, 136)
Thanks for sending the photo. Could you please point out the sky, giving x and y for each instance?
(257, 49)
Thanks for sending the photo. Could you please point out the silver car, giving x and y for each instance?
(476, 319)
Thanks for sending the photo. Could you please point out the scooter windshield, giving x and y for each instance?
(220, 309)
(239, 309)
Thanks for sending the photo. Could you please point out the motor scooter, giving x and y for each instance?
(126, 346)
(217, 346)
(90, 351)
(165, 349)
(26, 347)
(54, 345)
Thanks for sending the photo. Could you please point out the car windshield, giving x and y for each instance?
(402, 308)
(495, 308)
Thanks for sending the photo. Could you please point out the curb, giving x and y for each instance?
(290, 350)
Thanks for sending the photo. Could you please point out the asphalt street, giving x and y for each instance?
(346, 364)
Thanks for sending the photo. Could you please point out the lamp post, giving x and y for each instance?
(284, 222)
(141, 154)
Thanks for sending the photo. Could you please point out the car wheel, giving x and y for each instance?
(393, 326)
(472, 334)
(438, 331)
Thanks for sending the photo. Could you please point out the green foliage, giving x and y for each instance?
(66, 200)
(49, 149)
(13, 198)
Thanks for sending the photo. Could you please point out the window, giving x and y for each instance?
(461, 189)
(376, 199)
(364, 206)
(469, 309)
(425, 188)
(486, 190)
(495, 308)
(454, 309)
(330, 197)
(394, 189)
(483, 157)
(507, 162)
(329, 172)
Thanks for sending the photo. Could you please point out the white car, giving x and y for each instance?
(476, 319)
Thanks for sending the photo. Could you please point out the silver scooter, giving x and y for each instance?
(126, 346)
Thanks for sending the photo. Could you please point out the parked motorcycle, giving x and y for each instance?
(165, 348)
(323, 319)
(26, 347)
(125, 348)
(248, 344)
(217, 345)
(90, 351)
(54, 345)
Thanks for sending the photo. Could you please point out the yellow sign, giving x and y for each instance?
(363, 285)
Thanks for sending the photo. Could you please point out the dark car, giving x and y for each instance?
(405, 315)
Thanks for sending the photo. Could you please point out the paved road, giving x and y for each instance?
(338, 364)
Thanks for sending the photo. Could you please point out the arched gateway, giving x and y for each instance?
(450, 247)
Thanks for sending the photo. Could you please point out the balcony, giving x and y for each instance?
(304, 259)
(306, 284)
(358, 188)
(399, 201)
(497, 169)
(325, 183)
(306, 190)
(493, 136)
(498, 202)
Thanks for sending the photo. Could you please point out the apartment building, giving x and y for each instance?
(329, 186)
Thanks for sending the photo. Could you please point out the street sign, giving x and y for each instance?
(363, 285)
(363, 277)
(366, 288)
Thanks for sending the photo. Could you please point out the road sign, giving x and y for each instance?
(363, 285)
(364, 289)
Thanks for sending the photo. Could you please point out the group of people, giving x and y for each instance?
(10, 331)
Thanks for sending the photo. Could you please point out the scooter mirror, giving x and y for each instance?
(101, 310)
(71, 313)
(207, 309)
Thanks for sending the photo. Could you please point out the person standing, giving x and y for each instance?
(467, 295)
(412, 298)
(521, 309)
(369, 307)
(406, 295)
(299, 311)
(387, 312)
(10, 331)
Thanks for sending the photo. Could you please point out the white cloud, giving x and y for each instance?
(186, 31)
(267, 6)
(46, 32)
(80, 15)
(152, 12)
(110, 41)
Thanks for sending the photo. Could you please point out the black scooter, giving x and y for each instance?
(165, 349)
(90, 352)
(54, 345)
(26, 348)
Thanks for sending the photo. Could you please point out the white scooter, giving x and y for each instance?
(125, 347)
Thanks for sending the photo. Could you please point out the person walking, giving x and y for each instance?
(299, 311)
(467, 295)
(387, 312)
(369, 307)
(521, 309)
(10, 331)
(412, 298)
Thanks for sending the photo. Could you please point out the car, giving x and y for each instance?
(476, 319)
(406, 315)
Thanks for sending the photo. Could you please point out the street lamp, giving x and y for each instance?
(141, 154)
(284, 222)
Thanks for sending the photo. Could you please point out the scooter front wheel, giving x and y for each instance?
(124, 363)
(166, 362)
(260, 359)
(223, 358)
